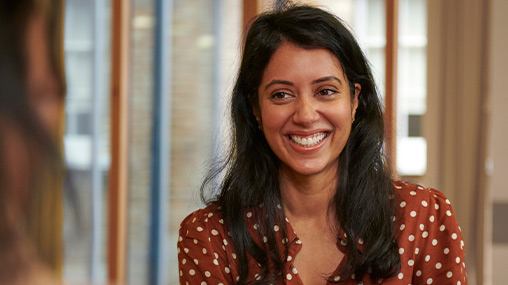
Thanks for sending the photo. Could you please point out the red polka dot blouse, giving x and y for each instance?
(429, 239)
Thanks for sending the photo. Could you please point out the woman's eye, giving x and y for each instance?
(327, 92)
(280, 95)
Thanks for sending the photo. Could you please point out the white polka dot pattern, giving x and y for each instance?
(430, 244)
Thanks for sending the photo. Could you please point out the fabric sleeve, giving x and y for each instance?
(440, 259)
(202, 247)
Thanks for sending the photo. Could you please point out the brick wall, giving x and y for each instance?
(192, 122)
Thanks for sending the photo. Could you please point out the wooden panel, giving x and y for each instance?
(392, 26)
(118, 177)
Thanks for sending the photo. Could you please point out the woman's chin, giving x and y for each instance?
(309, 168)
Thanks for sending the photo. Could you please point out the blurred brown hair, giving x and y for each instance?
(39, 207)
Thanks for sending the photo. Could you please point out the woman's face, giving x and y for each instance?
(305, 109)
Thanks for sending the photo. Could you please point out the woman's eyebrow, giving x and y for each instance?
(326, 78)
(319, 80)
(276, 81)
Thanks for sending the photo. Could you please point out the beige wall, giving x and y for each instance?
(498, 133)
(498, 85)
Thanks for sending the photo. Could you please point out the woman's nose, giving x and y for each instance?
(306, 111)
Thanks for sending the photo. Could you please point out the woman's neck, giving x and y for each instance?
(307, 197)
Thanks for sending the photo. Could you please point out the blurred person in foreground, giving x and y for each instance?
(31, 170)
(307, 195)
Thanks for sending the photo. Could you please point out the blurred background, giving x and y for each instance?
(146, 114)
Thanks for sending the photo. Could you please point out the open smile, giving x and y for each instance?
(308, 141)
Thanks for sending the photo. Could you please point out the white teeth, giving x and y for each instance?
(308, 141)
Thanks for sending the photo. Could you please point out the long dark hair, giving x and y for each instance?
(40, 218)
(363, 200)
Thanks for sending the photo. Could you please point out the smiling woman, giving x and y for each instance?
(305, 111)
(307, 195)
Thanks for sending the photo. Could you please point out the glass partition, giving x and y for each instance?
(86, 138)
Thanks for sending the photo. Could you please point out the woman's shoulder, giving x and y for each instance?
(409, 194)
(205, 250)
(428, 235)
(210, 212)
(417, 204)
(424, 210)
(204, 222)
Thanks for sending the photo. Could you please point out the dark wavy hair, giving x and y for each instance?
(362, 202)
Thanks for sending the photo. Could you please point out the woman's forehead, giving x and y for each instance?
(290, 60)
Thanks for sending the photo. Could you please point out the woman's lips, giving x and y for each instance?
(308, 140)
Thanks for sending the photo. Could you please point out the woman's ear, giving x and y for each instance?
(354, 101)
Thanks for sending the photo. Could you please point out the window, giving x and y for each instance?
(412, 87)
(86, 138)
(202, 59)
